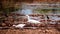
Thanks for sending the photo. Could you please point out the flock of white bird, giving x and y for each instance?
(32, 21)
(29, 20)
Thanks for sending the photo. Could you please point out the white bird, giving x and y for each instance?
(19, 25)
(32, 21)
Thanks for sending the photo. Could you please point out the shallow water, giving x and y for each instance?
(27, 11)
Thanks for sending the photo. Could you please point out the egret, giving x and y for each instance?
(31, 20)
(19, 25)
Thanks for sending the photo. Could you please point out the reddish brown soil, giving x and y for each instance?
(30, 31)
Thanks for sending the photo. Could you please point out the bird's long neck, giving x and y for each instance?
(28, 17)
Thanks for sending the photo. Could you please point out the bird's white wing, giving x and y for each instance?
(20, 25)
(34, 21)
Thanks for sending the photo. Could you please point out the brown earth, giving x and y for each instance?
(42, 30)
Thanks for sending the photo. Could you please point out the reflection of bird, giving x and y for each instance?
(32, 21)
(19, 25)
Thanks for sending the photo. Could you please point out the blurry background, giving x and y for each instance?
(15, 11)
